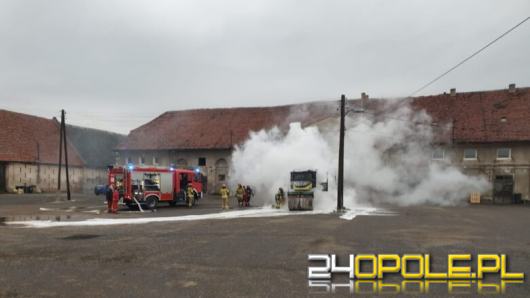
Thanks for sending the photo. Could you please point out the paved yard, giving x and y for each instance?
(232, 257)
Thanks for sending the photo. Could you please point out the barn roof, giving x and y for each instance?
(218, 128)
(482, 116)
(27, 138)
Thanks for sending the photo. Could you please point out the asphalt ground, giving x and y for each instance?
(242, 257)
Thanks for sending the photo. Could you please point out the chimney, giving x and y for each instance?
(453, 91)
(364, 96)
(364, 100)
(511, 88)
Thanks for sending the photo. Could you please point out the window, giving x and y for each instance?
(151, 181)
(504, 153)
(141, 160)
(202, 161)
(438, 154)
(155, 160)
(470, 154)
(182, 163)
(129, 160)
(222, 178)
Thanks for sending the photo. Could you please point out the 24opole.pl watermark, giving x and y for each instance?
(367, 273)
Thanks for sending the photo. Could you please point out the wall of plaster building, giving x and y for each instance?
(487, 163)
(45, 177)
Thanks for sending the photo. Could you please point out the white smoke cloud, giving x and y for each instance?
(387, 159)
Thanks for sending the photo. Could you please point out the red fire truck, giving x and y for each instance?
(150, 185)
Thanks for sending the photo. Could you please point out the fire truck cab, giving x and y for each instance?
(150, 186)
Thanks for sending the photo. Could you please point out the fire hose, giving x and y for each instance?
(138, 203)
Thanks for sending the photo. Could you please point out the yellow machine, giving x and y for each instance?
(301, 191)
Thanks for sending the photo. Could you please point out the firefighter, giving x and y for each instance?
(239, 194)
(115, 200)
(245, 195)
(190, 194)
(280, 198)
(108, 195)
(225, 193)
(248, 195)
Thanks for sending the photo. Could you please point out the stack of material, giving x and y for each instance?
(474, 198)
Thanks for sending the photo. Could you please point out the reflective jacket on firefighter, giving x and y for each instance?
(280, 198)
(239, 192)
(190, 194)
(225, 192)
(190, 191)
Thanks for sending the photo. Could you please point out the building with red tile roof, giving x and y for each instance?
(482, 116)
(29, 153)
(489, 136)
(481, 122)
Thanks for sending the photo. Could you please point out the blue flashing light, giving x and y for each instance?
(171, 168)
(130, 166)
(197, 170)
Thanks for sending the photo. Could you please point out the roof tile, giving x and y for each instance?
(475, 117)
(27, 138)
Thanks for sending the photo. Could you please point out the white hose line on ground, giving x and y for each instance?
(352, 213)
(249, 213)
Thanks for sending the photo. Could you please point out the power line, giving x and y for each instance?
(471, 56)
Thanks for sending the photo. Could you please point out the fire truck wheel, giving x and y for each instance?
(151, 202)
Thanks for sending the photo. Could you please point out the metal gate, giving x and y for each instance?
(2, 177)
(503, 188)
(221, 173)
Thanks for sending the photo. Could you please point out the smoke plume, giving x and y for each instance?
(388, 158)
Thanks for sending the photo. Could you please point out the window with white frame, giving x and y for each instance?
(438, 154)
(155, 160)
(141, 160)
(504, 153)
(470, 154)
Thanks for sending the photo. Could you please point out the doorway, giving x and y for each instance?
(221, 173)
(2, 177)
(503, 188)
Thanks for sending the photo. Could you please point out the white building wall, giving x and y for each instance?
(45, 177)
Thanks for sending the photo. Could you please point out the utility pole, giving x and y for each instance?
(340, 182)
(62, 142)
(38, 163)
(60, 155)
(66, 157)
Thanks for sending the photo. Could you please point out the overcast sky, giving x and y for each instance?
(117, 64)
